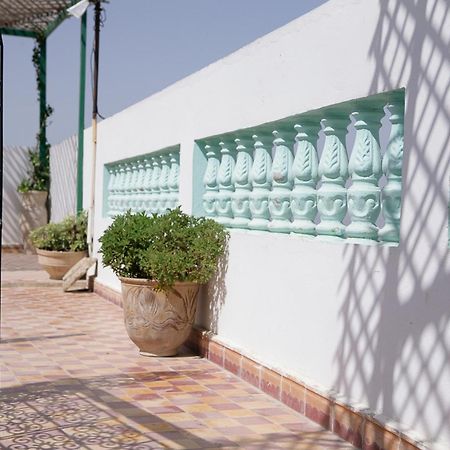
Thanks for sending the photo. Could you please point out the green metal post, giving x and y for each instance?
(81, 113)
(43, 154)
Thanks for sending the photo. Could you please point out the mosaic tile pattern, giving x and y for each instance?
(71, 379)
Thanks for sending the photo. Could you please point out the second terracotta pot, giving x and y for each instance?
(56, 264)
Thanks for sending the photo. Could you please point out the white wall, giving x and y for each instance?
(371, 322)
(15, 168)
(63, 187)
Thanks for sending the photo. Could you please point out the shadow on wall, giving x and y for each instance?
(15, 168)
(395, 342)
(212, 296)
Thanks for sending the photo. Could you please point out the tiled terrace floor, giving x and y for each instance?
(71, 379)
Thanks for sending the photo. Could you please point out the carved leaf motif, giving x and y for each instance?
(174, 175)
(225, 170)
(280, 165)
(242, 169)
(259, 168)
(363, 160)
(308, 163)
(210, 178)
(395, 155)
(331, 158)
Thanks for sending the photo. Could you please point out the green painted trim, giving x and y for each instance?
(106, 178)
(56, 23)
(81, 108)
(43, 153)
(22, 33)
(159, 152)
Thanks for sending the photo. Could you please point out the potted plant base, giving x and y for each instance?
(161, 260)
(60, 246)
(58, 263)
(158, 322)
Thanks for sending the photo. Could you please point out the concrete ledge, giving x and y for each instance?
(353, 423)
(356, 425)
(12, 248)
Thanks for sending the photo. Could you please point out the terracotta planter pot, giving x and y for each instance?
(34, 215)
(158, 322)
(56, 264)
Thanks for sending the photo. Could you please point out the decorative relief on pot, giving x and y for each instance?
(158, 322)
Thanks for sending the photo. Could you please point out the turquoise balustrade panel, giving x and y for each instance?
(334, 173)
(148, 182)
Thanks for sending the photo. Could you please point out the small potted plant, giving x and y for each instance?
(33, 192)
(61, 245)
(161, 261)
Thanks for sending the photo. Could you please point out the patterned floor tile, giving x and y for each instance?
(71, 378)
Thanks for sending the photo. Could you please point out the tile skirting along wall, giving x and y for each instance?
(356, 425)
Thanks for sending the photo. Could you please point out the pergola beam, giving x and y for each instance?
(22, 33)
(31, 19)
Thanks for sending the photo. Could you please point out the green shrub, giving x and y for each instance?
(66, 236)
(166, 248)
(38, 176)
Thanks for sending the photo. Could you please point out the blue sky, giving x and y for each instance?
(146, 45)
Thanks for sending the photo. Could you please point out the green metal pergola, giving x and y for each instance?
(37, 19)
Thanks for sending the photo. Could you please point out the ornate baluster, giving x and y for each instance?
(120, 190)
(126, 203)
(116, 189)
(365, 170)
(140, 186)
(154, 199)
(133, 185)
(305, 173)
(261, 178)
(240, 204)
(110, 190)
(226, 186)
(392, 167)
(333, 170)
(147, 185)
(210, 181)
(174, 175)
(163, 184)
(280, 197)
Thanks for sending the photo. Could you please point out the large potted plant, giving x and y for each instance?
(61, 245)
(33, 192)
(161, 261)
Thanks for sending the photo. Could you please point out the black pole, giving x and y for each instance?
(96, 58)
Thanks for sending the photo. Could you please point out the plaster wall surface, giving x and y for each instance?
(372, 323)
(16, 166)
